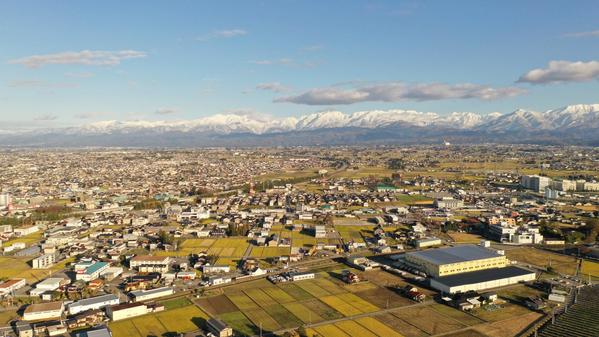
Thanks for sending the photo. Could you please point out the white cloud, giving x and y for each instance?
(165, 111)
(46, 117)
(592, 33)
(225, 34)
(272, 86)
(563, 71)
(90, 115)
(84, 57)
(398, 91)
(81, 74)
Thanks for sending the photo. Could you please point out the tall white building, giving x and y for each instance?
(5, 200)
(535, 182)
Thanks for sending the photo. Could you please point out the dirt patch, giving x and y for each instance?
(509, 327)
(216, 305)
(398, 324)
(381, 297)
(429, 320)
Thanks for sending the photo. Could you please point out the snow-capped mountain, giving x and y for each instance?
(560, 125)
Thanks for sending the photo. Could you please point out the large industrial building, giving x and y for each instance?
(455, 260)
(467, 267)
(482, 279)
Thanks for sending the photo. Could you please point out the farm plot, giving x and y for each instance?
(511, 326)
(377, 327)
(266, 252)
(183, 319)
(295, 291)
(303, 313)
(329, 286)
(279, 295)
(459, 315)
(149, 326)
(124, 329)
(358, 303)
(399, 324)
(313, 288)
(590, 268)
(198, 244)
(354, 329)
(341, 305)
(242, 301)
(429, 320)
(261, 318)
(330, 330)
(506, 311)
(229, 247)
(321, 309)
(240, 323)
(260, 297)
(283, 316)
(527, 255)
(217, 305)
(383, 298)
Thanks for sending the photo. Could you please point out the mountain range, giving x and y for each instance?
(573, 124)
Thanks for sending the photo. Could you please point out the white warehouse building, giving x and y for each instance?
(482, 279)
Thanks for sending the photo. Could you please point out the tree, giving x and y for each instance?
(574, 236)
(396, 164)
(165, 237)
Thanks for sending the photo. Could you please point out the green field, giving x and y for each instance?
(183, 319)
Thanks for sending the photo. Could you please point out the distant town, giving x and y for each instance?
(436, 240)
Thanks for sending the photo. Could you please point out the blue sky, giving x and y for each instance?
(74, 62)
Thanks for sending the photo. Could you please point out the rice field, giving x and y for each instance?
(266, 252)
(184, 319)
(288, 305)
(231, 247)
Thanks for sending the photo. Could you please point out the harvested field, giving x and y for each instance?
(284, 317)
(429, 320)
(381, 297)
(456, 314)
(295, 291)
(399, 324)
(507, 311)
(217, 305)
(508, 327)
(527, 255)
(464, 237)
(330, 286)
(321, 309)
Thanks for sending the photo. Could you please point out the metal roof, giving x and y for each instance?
(480, 276)
(94, 300)
(456, 254)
